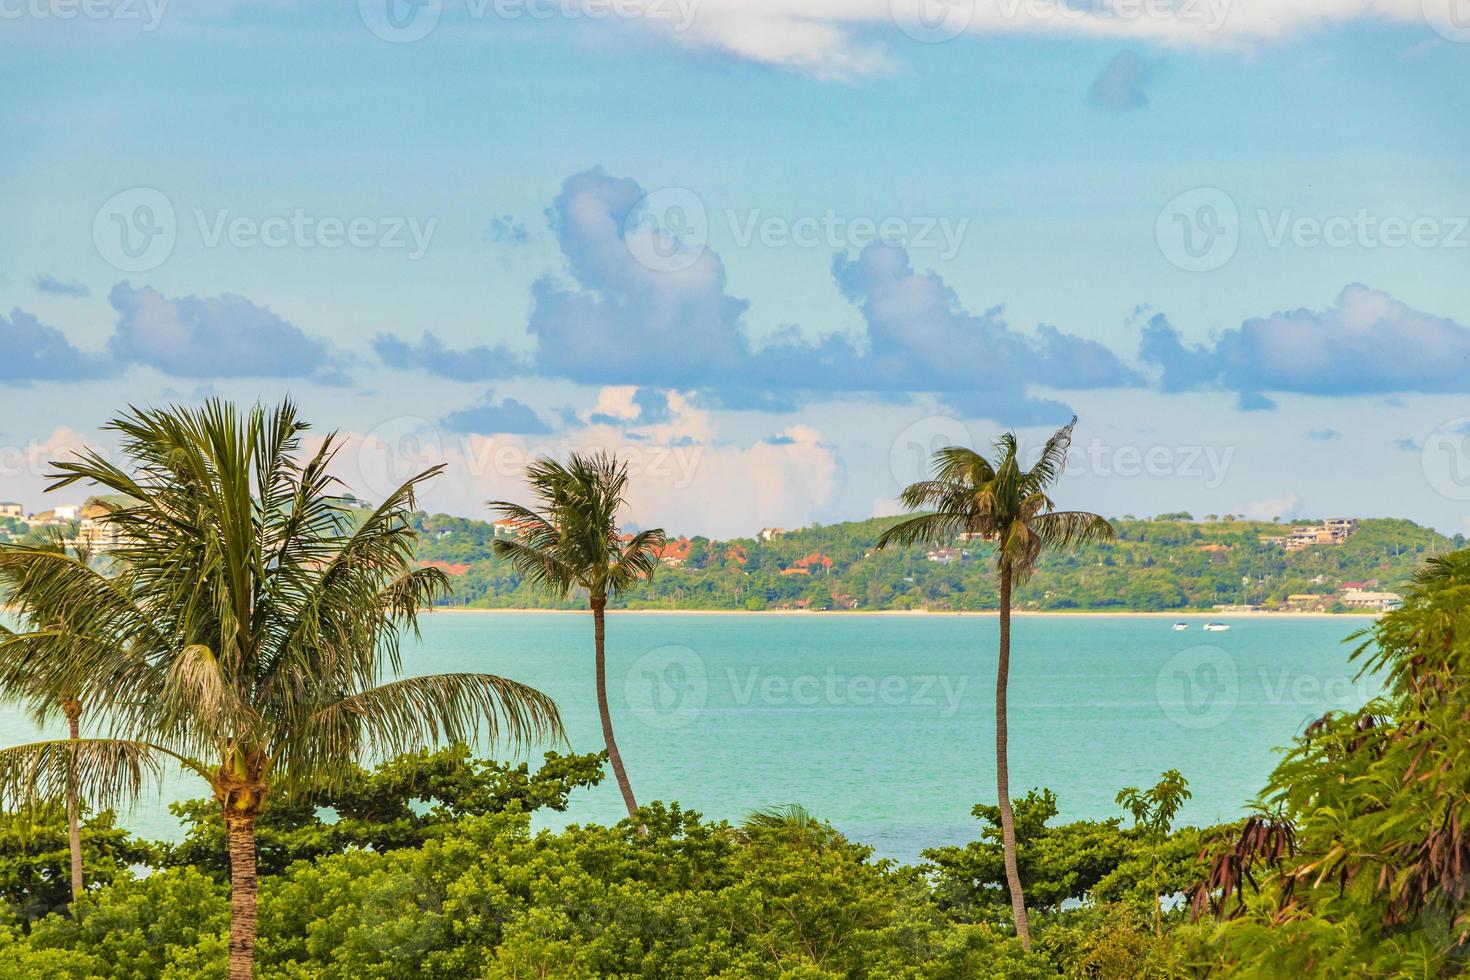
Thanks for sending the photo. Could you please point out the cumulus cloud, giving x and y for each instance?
(505, 230)
(490, 417)
(628, 405)
(481, 363)
(1367, 342)
(846, 39)
(32, 351)
(225, 336)
(47, 283)
(622, 322)
(1120, 86)
(686, 477)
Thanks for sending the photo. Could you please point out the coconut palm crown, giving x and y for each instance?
(1007, 504)
(253, 637)
(570, 541)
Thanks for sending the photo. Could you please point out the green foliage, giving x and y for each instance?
(1152, 565)
(35, 861)
(1359, 863)
(403, 803)
(691, 899)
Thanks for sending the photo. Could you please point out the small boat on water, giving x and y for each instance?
(1216, 627)
(1180, 627)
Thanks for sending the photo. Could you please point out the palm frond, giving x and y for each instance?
(413, 713)
(111, 772)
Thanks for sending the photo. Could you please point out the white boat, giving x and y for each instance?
(1180, 627)
(1216, 627)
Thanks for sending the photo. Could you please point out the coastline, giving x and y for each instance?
(1084, 613)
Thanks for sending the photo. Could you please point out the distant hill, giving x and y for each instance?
(1154, 565)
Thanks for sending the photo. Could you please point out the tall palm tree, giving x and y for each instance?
(1008, 506)
(570, 541)
(42, 688)
(254, 637)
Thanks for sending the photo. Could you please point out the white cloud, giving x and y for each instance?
(684, 478)
(850, 38)
(1264, 510)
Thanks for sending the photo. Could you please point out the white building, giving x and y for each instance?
(1380, 601)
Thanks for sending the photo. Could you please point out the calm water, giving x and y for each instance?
(884, 724)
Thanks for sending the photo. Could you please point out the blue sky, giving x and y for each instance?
(767, 254)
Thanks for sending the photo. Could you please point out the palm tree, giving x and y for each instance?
(571, 541)
(42, 688)
(249, 638)
(1008, 506)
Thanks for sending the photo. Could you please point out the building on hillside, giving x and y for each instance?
(946, 556)
(9, 508)
(1333, 531)
(95, 531)
(675, 553)
(1379, 601)
(770, 533)
(507, 527)
(814, 562)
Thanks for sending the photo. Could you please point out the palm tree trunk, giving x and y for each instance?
(73, 712)
(614, 757)
(243, 894)
(1002, 767)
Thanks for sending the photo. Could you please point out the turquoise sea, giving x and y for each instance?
(883, 724)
